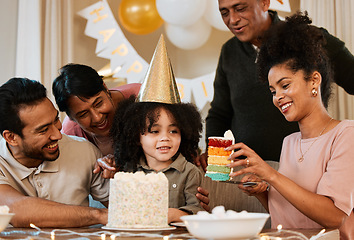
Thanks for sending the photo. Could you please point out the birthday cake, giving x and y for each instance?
(218, 158)
(138, 200)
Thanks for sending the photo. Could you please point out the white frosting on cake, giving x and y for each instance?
(138, 200)
(4, 209)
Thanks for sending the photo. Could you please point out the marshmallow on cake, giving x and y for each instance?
(218, 157)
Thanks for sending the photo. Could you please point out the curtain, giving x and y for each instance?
(28, 44)
(337, 17)
(44, 41)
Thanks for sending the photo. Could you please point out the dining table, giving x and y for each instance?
(99, 233)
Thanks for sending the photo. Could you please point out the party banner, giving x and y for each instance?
(280, 5)
(200, 89)
(203, 89)
(113, 45)
(184, 89)
(111, 42)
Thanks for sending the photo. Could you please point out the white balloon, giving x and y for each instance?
(213, 17)
(181, 12)
(189, 37)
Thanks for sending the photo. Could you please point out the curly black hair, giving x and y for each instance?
(299, 45)
(130, 121)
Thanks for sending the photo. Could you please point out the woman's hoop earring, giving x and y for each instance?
(314, 92)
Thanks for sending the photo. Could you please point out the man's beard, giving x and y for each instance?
(30, 152)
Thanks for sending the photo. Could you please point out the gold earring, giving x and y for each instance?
(314, 92)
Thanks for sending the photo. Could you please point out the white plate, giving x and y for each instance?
(178, 224)
(139, 229)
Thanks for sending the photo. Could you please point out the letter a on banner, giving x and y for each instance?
(112, 44)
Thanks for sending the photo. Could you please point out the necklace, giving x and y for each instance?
(303, 154)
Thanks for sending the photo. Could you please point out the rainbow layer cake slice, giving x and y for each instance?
(218, 158)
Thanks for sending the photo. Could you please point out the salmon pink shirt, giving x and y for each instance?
(327, 169)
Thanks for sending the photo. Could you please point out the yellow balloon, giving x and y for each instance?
(139, 16)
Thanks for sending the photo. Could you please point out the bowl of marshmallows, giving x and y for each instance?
(221, 224)
(5, 217)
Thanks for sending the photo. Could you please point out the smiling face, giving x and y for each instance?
(94, 115)
(40, 134)
(246, 19)
(162, 142)
(292, 93)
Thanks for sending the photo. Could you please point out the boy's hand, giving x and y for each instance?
(105, 164)
(203, 198)
(174, 215)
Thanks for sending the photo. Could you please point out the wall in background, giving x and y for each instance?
(186, 63)
(8, 30)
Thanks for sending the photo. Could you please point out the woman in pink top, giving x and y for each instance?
(81, 93)
(314, 186)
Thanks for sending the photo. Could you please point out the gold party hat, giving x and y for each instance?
(159, 84)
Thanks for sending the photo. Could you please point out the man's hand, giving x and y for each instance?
(52, 214)
(105, 164)
(203, 198)
(202, 160)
